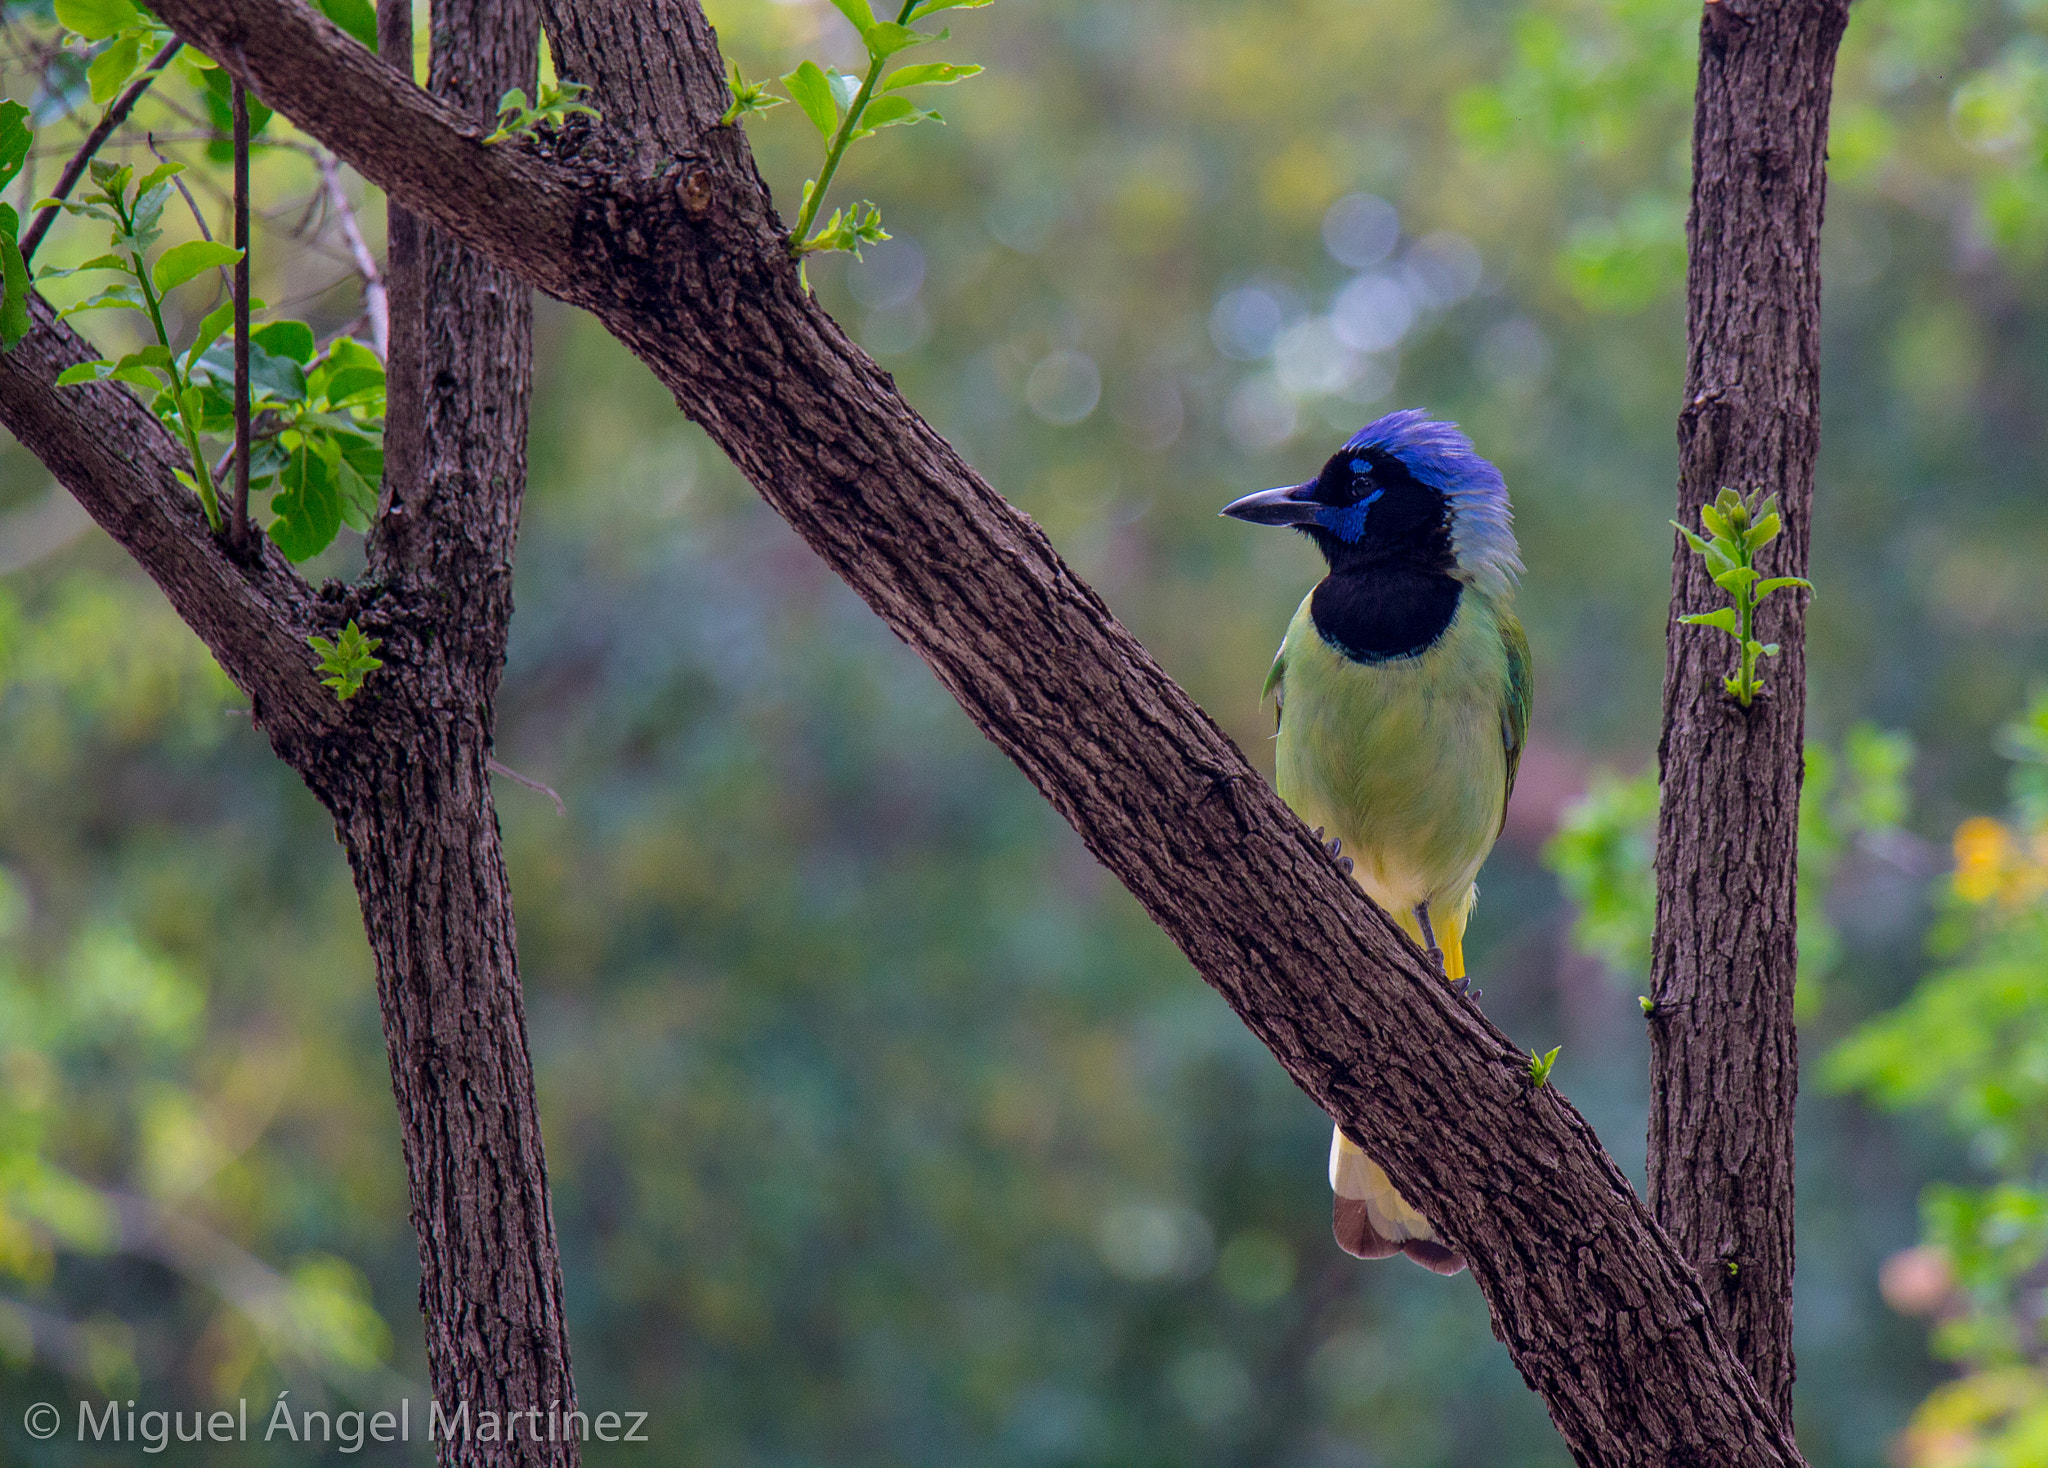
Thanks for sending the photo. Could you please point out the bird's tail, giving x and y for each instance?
(1371, 1220)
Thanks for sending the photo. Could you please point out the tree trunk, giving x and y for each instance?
(417, 817)
(1724, 1053)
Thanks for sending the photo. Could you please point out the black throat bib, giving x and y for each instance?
(1387, 612)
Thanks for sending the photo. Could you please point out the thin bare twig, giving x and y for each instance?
(491, 763)
(375, 304)
(198, 216)
(241, 289)
(116, 115)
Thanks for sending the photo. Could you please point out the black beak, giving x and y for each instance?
(1291, 504)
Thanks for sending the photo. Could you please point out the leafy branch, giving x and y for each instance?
(519, 118)
(135, 218)
(846, 109)
(1540, 1066)
(346, 661)
(1739, 529)
(321, 450)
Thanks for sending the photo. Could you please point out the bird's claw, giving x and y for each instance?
(1335, 845)
(1344, 865)
(1464, 990)
(1435, 955)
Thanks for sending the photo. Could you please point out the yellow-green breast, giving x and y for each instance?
(1405, 760)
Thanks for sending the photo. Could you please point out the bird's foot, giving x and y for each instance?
(1435, 955)
(1344, 865)
(1335, 845)
(1464, 990)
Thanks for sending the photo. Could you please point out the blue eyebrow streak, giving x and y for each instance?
(1348, 524)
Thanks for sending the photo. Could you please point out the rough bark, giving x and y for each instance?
(1724, 1052)
(416, 816)
(656, 221)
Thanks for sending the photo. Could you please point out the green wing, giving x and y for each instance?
(1514, 714)
(1276, 685)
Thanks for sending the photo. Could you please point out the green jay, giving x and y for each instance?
(1403, 687)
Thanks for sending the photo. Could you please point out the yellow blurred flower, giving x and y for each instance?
(1984, 848)
(1992, 861)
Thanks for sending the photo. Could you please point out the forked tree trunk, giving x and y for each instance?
(1724, 1054)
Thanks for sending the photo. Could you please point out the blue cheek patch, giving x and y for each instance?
(1348, 524)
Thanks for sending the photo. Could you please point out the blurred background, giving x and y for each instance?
(884, 1128)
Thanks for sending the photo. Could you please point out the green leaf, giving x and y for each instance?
(112, 296)
(1698, 545)
(844, 88)
(272, 379)
(747, 97)
(181, 263)
(14, 284)
(928, 74)
(893, 112)
(219, 95)
(886, 38)
(1540, 1066)
(1779, 583)
(346, 661)
(858, 12)
(293, 339)
(150, 367)
(1764, 531)
(352, 385)
(933, 7)
(1770, 649)
(97, 19)
(150, 197)
(364, 456)
(1736, 581)
(358, 496)
(84, 372)
(357, 17)
(15, 137)
(111, 178)
(98, 262)
(308, 508)
(808, 88)
(111, 69)
(1724, 619)
(1713, 519)
(211, 326)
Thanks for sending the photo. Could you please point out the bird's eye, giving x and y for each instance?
(1361, 483)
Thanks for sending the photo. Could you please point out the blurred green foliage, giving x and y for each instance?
(1605, 849)
(1969, 1048)
(884, 1128)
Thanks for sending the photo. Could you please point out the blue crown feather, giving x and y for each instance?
(1440, 456)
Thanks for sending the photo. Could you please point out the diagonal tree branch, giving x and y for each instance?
(118, 461)
(664, 231)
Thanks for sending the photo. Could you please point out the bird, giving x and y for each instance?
(1403, 689)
